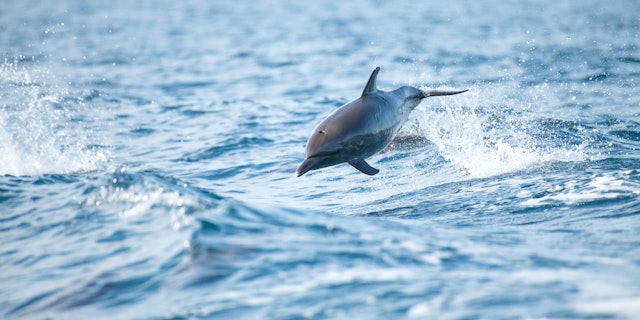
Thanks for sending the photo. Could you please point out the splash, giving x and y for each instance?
(40, 129)
(484, 140)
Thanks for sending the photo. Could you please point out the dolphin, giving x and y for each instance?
(363, 127)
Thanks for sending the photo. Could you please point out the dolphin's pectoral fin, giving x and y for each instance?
(371, 84)
(434, 93)
(363, 166)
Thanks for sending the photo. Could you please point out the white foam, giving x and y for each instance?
(601, 186)
(599, 298)
(139, 199)
(36, 133)
(427, 309)
(463, 137)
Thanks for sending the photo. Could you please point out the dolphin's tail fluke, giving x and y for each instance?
(434, 93)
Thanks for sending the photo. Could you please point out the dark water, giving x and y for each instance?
(148, 151)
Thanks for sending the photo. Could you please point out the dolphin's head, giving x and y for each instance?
(326, 146)
(319, 160)
(322, 150)
(313, 163)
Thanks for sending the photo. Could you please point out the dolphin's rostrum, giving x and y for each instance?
(362, 127)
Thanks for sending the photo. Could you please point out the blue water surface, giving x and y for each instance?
(148, 152)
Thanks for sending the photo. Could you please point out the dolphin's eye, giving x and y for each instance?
(321, 132)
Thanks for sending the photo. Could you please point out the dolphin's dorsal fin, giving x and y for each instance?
(371, 84)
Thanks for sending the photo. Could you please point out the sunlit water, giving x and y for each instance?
(148, 151)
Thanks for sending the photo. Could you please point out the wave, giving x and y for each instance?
(203, 234)
(223, 257)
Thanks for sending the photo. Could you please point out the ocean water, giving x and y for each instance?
(148, 151)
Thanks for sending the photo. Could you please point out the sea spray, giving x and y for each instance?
(484, 134)
(39, 133)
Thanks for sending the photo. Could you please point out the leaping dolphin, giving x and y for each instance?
(363, 127)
